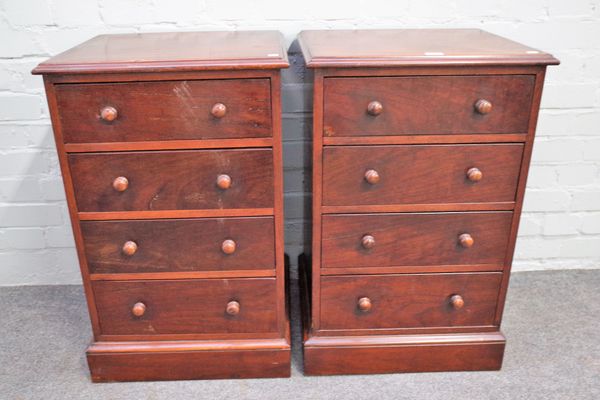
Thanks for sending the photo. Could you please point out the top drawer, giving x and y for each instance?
(169, 110)
(427, 105)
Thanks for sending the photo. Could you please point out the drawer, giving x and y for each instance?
(415, 174)
(409, 301)
(188, 306)
(429, 239)
(433, 105)
(173, 180)
(165, 110)
(174, 245)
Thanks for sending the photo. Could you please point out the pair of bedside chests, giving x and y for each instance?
(171, 154)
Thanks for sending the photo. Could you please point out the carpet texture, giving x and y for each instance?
(552, 323)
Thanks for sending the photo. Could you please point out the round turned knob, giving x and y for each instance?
(224, 181)
(372, 176)
(367, 241)
(474, 174)
(233, 308)
(218, 110)
(138, 309)
(109, 114)
(375, 108)
(129, 248)
(466, 240)
(228, 246)
(457, 301)
(121, 184)
(482, 106)
(364, 304)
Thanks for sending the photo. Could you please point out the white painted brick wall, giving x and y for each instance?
(561, 223)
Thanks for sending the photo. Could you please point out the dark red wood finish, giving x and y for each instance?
(337, 359)
(186, 306)
(173, 180)
(414, 47)
(408, 301)
(160, 361)
(144, 147)
(179, 245)
(166, 52)
(414, 239)
(421, 145)
(424, 174)
(426, 105)
(171, 110)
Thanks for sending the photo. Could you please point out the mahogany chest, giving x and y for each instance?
(422, 143)
(170, 150)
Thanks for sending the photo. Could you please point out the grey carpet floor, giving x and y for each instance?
(552, 322)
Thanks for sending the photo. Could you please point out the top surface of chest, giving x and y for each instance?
(403, 47)
(171, 51)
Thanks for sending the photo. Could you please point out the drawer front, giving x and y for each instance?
(189, 306)
(417, 174)
(174, 245)
(173, 180)
(427, 105)
(409, 301)
(415, 239)
(168, 110)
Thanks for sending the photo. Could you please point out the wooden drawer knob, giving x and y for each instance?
(138, 309)
(109, 114)
(474, 174)
(457, 302)
(364, 304)
(375, 108)
(466, 240)
(218, 110)
(228, 246)
(372, 176)
(367, 241)
(129, 248)
(224, 181)
(482, 106)
(120, 184)
(233, 308)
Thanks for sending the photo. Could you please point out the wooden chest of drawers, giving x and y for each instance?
(170, 148)
(422, 143)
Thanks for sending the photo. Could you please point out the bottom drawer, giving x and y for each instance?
(409, 301)
(186, 307)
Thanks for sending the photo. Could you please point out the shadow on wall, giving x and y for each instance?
(297, 156)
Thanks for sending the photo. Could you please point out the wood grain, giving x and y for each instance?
(539, 84)
(49, 87)
(121, 215)
(425, 139)
(412, 105)
(174, 245)
(194, 362)
(169, 110)
(427, 105)
(354, 359)
(171, 51)
(199, 306)
(172, 101)
(414, 47)
(415, 239)
(420, 174)
(169, 145)
(407, 301)
(242, 273)
(173, 180)
(399, 208)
